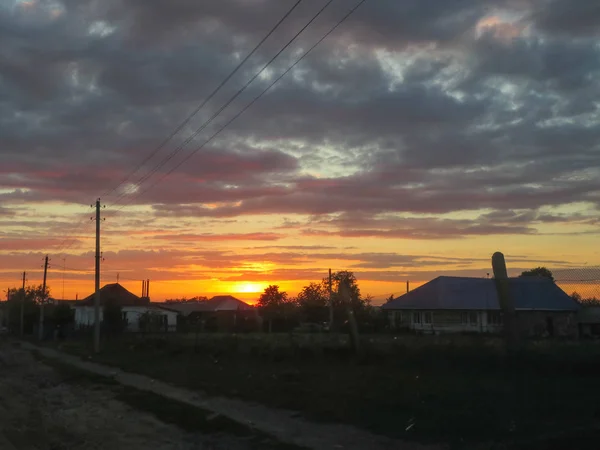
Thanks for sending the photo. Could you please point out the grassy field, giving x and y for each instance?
(454, 390)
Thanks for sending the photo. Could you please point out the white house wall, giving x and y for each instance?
(443, 321)
(84, 316)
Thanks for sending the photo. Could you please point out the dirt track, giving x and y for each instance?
(39, 410)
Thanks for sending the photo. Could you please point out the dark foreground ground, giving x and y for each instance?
(47, 406)
(460, 391)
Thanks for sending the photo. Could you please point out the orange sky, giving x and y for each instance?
(242, 257)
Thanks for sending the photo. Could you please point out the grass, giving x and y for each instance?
(186, 417)
(452, 390)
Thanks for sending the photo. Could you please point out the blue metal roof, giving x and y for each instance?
(480, 293)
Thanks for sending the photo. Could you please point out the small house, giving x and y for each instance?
(139, 313)
(460, 304)
(220, 313)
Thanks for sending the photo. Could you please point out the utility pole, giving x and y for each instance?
(64, 268)
(506, 301)
(41, 326)
(8, 310)
(97, 283)
(330, 304)
(23, 304)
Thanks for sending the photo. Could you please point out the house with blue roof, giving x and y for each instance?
(461, 304)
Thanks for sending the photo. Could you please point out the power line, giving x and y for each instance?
(222, 108)
(72, 241)
(343, 19)
(205, 101)
(69, 237)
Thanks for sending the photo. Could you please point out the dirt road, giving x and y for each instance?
(40, 410)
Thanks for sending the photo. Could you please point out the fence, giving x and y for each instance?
(584, 281)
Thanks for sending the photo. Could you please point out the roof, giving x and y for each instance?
(227, 303)
(480, 293)
(185, 309)
(217, 303)
(116, 293)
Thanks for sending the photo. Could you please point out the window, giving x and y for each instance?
(469, 318)
(427, 317)
(417, 317)
(473, 318)
(494, 318)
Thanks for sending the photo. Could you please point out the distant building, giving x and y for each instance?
(459, 304)
(132, 307)
(220, 313)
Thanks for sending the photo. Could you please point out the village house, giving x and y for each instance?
(460, 304)
(134, 309)
(220, 313)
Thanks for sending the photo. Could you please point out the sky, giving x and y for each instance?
(417, 139)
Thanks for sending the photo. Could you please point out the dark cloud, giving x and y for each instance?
(571, 18)
(218, 237)
(410, 107)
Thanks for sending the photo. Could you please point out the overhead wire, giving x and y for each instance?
(205, 101)
(343, 19)
(69, 239)
(235, 117)
(181, 146)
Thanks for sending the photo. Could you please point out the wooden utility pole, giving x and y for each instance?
(8, 310)
(41, 326)
(346, 296)
(63, 280)
(330, 303)
(22, 305)
(506, 301)
(97, 283)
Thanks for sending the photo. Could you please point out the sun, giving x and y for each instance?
(248, 288)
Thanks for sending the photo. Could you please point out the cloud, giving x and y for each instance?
(579, 18)
(29, 244)
(219, 237)
(409, 113)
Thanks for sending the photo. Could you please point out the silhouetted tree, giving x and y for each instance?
(538, 272)
(113, 320)
(61, 316)
(274, 304)
(359, 304)
(313, 303)
(31, 298)
(38, 294)
(590, 301)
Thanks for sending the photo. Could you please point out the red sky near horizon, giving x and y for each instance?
(414, 141)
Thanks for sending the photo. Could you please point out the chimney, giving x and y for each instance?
(407, 286)
(148, 288)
